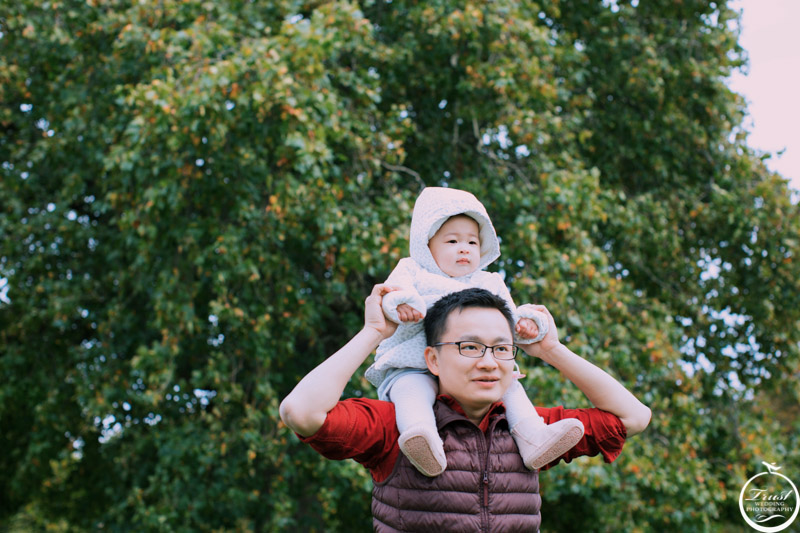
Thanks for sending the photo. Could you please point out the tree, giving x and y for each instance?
(196, 197)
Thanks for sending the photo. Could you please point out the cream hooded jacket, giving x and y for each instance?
(422, 283)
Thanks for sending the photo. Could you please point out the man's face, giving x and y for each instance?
(474, 383)
(456, 247)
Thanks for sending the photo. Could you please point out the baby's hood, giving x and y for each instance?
(432, 209)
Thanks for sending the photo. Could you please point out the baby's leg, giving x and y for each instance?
(413, 395)
(538, 443)
(518, 405)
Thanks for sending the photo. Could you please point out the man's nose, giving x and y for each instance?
(487, 360)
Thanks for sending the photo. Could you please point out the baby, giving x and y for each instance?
(451, 241)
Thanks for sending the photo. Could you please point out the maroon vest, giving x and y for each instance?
(486, 487)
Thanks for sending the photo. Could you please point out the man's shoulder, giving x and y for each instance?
(362, 429)
(370, 403)
(353, 418)
(604, 433)
(359, 412)
(554, 414)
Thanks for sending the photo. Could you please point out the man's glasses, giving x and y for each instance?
(503, 352)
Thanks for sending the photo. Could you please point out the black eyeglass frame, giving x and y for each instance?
(514, 349)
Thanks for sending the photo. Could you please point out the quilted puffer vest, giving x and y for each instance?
(485, 488)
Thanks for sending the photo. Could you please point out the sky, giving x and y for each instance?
(771, 87)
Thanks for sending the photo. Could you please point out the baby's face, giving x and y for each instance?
(456, 247)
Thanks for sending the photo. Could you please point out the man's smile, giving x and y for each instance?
(486, 381)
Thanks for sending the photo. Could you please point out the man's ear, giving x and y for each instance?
(432, 360)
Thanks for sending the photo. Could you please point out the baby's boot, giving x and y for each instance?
(540, 443)
(422, 445)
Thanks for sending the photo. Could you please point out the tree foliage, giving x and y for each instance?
(197, 196)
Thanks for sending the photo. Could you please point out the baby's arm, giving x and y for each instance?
(406, 313)
(531, 325)
(406, 304)
(527, 328)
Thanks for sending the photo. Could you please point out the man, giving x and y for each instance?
(486, 486)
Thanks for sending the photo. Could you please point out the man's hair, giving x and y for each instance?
(436, 317)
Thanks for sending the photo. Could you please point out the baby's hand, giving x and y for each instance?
(406, 313)
(527, 328)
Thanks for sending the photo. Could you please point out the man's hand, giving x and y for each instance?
(406, 313)
(307, 406)
(373, 312)
(527, 328)
(603, 391)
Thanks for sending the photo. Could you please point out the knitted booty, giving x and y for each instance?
(423, 447)
(540, 443)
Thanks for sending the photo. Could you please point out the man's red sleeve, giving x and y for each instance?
(604, 433)
(361, 429)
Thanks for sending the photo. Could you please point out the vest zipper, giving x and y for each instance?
(486, 488)
(485, 481)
